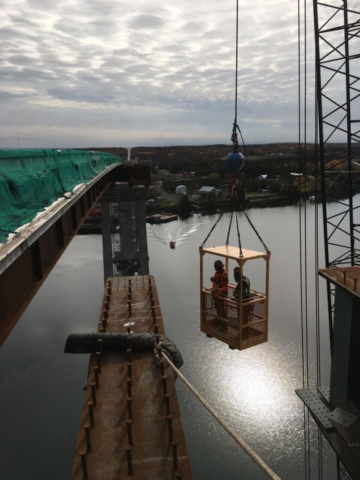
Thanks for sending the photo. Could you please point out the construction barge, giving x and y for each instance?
(161, 218)
(130, 425)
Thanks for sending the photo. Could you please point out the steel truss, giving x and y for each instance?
(341, 471)
(337, 50)
(337, 32)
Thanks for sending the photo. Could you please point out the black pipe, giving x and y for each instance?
(88, 343)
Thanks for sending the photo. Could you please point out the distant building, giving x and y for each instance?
(209, 191)
(181, 190)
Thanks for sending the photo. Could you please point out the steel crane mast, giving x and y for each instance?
(337, 50)
(337, 54)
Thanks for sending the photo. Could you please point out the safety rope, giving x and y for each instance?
(265, 468)
(228, 235)
(257, 233)
(238, 232)
(222, 213)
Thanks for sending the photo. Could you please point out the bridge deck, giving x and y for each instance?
(156, 428)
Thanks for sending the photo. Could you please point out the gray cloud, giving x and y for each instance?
(134, 71)
(146, 22)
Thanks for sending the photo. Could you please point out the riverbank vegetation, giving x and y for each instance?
(271, 172)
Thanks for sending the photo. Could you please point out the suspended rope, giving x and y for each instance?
(265, 468)
(257, 233)
(317, 297)
(303, 343)
(242, 139)
(317, 289)
(228, 235)
(213, 228)
(303, 247)
(236, 63)
(238, 232)
(234, 135)
(236, 126)
(235, 160)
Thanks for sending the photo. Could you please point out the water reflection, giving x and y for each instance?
(41, 394)
(41, 388)
(179, 232)
(254, 390)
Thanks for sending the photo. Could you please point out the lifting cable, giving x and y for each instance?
(234, 139)
(303, 247)
(265, 468)
(213, 228)
(228, 235)
(304, 329)
(317, 295)
(235, 125)
(257, 233)
(238, 232)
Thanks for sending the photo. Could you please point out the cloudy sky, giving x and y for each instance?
(82, 73)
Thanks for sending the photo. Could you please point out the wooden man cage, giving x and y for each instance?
(240, 323)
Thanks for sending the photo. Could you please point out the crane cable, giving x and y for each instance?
(317, 290)
(228, 235)
(304, 338)
(257, 233)
(235, 125)
(238, 233)
(236, 63)
(234, 139)
(213, 228)
(304, 264)
(222, 422)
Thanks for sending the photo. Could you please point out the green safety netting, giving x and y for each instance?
(31, 180)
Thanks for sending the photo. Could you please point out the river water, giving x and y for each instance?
(41, 394)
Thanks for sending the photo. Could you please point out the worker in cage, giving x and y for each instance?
(244, 284)
(220, 289)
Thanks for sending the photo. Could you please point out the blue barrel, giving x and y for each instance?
(235, 161)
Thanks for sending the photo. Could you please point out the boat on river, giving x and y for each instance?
(172, 244)
(161, 218)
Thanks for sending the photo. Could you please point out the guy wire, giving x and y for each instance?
(303, 345)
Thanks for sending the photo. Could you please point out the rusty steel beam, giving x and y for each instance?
(28, 258)
(131, 424)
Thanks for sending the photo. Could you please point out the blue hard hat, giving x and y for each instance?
(235, 161)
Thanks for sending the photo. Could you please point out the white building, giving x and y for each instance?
(181, 190)
(209, 191)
